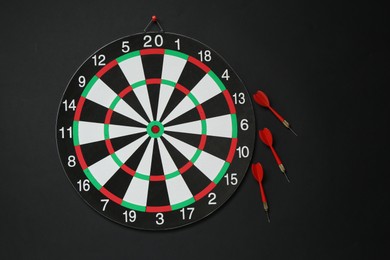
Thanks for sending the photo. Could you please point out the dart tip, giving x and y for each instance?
(268, 218)
(286, 124)
(287, 177)
(293, 131)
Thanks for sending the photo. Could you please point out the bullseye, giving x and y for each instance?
(155, 129)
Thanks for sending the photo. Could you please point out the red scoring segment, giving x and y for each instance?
(106, 68)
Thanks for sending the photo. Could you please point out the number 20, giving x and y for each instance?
(158, 41)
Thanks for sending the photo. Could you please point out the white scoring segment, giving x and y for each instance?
(145, 164)
(209, 165)
(187, 150)
(163, 98)
(132, 69)
(194, 127)
(168, 164)
(90, 132)
(124, 109)
(137, 192)
(172, 67)
(121, 130)
(143, 97)
(185, 105)
(171, 70)
(127, 151)
(205, 89)
(220, 126)
(178, 190)
(101, 94)
(134, 72)
(104, 169)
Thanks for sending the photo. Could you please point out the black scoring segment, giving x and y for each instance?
(218, 146)
(120, 142)
(189, 116)
(119, 183)
(177, 157)
(132, 100)
(152, 65)
(156, 168)
(94, 152)
(176, 97)
(190, 139)
(93, 112)
(118, 119)
(115, 79)
(136, 157)
(154, 92)
(195, 180)
(190, 76)
(158, 194)
(216, 106)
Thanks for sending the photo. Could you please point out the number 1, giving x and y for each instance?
(178, 44)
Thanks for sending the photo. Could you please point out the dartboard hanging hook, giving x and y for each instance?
(153, 20)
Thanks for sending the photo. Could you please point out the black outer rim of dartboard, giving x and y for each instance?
(251, 140)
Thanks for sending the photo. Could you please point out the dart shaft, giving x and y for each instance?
(281, 119)
(264, 200)
(262, 193)
(276, 156)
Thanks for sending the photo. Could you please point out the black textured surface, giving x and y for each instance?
(325, 68)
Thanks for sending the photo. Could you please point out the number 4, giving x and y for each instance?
(225, 75)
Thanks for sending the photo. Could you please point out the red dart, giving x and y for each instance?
(258, 174)
(261, 98)
(266, 137)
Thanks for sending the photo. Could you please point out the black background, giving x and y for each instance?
(325, 67)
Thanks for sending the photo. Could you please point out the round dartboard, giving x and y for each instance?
(155, 131)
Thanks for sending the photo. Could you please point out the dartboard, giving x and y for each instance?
(155, 131)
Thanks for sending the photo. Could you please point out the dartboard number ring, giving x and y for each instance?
(155, 131)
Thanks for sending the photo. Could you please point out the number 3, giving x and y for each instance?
(160, 219)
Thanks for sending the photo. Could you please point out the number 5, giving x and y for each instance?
(125, 46)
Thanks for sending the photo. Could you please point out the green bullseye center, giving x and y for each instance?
(155, 129)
